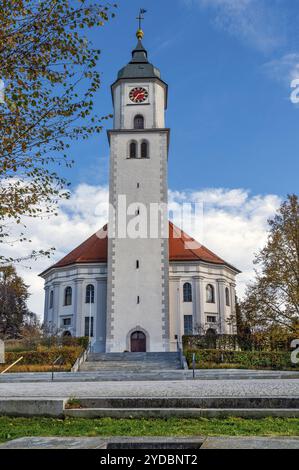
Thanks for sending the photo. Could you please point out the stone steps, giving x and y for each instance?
(93, 367)
(164, 407)
(133, 357)
(190, 402)
(131, 363)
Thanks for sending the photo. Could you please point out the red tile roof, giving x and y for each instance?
(182, 247)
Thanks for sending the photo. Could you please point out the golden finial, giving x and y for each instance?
(140, 33)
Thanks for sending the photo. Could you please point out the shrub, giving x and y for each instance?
(243, 359)
(45, 343)
(45, 356)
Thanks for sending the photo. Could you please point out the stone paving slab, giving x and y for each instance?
(55, 443)
(202, 388)
(251, 442)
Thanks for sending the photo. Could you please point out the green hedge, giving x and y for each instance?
(21, 345)
(245, 359)
(68, 355)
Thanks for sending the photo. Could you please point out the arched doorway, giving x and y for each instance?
(138, 342)
(67, 334)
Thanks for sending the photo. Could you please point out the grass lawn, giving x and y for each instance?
(12, 428)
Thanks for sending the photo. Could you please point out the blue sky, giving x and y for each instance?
(229, 65)
(234, 130)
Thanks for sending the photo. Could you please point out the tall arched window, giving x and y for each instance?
(227, 299)
(138, 122)
(144, 150)
(68, 296)
(210, 294)
(51, 299)
(187, 291)
(133, 150)
(89, 297)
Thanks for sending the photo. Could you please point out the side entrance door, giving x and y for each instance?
(138, 342)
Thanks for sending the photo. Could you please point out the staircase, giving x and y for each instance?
(131, 363)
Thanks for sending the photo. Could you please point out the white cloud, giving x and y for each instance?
(77, 219)
(285, 69)
(257, 22)
(234, 227)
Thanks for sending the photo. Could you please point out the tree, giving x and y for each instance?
(273, 299)
(48, 67)
(14, 313)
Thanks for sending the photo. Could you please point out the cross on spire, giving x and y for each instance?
(140, 18)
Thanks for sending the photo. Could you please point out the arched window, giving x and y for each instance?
(187, 291)
(138, 122)
(89, 297)
(51, 299)
(210, 294)
(68, 296)
(144, 150)
(227, 299)
(133, 150)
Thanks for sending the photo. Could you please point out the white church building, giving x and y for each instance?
(130, 292)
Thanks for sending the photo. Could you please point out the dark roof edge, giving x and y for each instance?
(227, 265)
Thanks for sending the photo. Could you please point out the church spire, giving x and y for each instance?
(139, 54)
(139, 66)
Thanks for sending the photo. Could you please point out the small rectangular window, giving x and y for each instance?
(138, 185)
(211, 319)
(138, 299)
(66, 321)
(137, 264)
(86, 329)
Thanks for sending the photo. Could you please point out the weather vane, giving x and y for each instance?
(141, 17)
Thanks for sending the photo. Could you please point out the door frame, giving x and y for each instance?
(142, 330)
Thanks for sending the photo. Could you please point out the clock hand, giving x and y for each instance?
(137, 96)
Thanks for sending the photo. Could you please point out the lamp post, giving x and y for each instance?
(2, 280)
(89, 329)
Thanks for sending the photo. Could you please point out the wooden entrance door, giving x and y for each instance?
(138, 342)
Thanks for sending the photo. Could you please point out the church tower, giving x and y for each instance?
(138, 259)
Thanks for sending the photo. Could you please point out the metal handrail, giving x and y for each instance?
(11, 365)
(53, 364)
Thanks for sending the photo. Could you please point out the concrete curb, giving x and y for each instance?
(180, 412)
(190, 402)
(38, 407)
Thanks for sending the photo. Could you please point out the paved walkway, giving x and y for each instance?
(149, 442)
(200, 388)
(164, 375)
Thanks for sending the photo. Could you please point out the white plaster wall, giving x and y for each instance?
(77, 278)
(197, 273)
(179, 273)
(126, 282)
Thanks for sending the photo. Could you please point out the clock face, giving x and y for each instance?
(138, 95)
